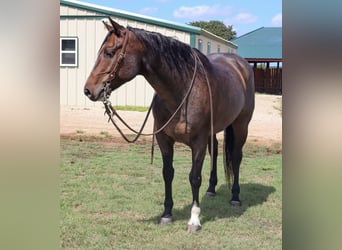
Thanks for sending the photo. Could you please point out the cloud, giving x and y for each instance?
(244, 17)
(148, 10)
(201, 11)
(277, 20)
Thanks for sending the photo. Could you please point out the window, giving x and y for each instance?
(208, 48)
(68, 51)
(218, 48)
(200, 45)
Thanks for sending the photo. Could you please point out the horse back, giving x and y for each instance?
(235, 64)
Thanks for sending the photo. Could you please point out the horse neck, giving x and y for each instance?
(168, 83)
(162, 84)
(166, 64)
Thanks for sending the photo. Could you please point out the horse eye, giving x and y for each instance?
(109, 53)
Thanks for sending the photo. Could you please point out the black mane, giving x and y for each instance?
(176, 54)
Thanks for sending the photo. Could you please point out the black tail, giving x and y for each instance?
(228, 145)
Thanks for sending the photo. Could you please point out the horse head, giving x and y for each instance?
(118, 61)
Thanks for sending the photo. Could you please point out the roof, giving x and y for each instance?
(263, 43)
(218, 38)
(105, 11)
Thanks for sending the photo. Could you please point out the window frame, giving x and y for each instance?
(218, 48)
(200, 44)
(61, 52)
(208, 47)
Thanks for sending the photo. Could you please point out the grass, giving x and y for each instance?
(131, 108)
(112, 197)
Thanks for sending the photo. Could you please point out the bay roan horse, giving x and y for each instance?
(222, 81)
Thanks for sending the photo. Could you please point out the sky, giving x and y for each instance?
(243, 15)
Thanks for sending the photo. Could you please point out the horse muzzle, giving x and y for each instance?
(96, 95)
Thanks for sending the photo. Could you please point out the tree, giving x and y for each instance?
(216, 27)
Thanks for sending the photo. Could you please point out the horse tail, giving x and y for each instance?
(228, 144)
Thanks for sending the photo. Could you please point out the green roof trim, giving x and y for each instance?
(192, 40)
(265, 42)
(128, 15)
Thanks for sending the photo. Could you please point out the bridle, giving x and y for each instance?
(116, 65)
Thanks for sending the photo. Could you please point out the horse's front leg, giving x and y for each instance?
(166, 147)
(195, 178)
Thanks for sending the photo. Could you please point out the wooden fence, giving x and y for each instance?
(268, 80)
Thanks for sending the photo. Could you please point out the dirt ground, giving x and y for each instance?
(265, 127)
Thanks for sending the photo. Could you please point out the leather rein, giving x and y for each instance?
(111, 112)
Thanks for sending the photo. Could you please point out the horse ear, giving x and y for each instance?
(116, 27)
(108, 27)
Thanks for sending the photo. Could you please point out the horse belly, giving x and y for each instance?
(184, 132)
(227, 112)
(179, 131)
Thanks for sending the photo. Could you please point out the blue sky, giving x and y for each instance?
(244, 15)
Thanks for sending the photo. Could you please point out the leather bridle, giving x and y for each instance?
(116, 65)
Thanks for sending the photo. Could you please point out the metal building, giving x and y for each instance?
(81, 35)
(262, 48)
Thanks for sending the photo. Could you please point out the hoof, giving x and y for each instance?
(210, 194)
(235, 203)
(193, 228)
(166, 220)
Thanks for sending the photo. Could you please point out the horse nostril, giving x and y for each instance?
(87, 92)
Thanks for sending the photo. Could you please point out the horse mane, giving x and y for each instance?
(176, 54)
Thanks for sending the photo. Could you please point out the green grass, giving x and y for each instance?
(131, 108)
(112, 197)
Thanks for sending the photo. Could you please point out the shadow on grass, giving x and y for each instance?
(252, 194)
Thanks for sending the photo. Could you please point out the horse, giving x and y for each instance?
(202, 95)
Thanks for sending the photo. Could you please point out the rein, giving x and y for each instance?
(211, 116)
(111, 112)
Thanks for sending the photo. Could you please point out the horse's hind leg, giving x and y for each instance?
(166, 147)
(236, 135)
(213, 171)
